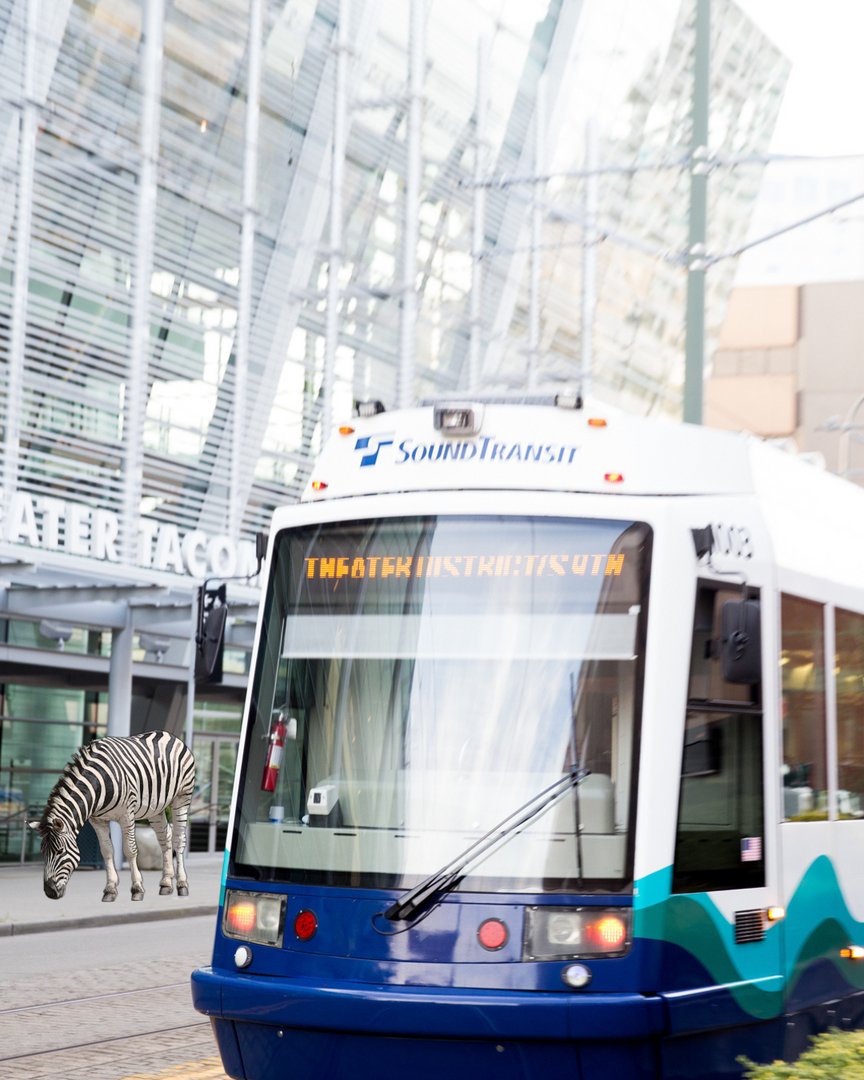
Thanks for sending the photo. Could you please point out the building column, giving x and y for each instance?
(120, 703)
(145, 229)
(245, 301)
(27, 170)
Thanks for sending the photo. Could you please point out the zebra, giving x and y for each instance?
(121, 779)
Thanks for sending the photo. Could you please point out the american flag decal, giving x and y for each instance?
(751, 848)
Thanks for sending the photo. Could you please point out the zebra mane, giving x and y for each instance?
(79, 758)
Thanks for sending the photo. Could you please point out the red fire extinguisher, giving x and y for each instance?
(275, 749)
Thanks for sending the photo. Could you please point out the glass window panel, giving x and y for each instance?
(849, 682)
(706, 672)
(426, 677)
(720, 837)
(802, 664)
(719, 843)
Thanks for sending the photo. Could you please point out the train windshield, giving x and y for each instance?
(419, 679)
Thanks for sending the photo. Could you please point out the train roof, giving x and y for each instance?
(475, 445)
(815, 519)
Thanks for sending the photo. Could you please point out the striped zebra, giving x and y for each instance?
(123, 780)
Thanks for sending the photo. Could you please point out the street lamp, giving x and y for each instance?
(846, 427)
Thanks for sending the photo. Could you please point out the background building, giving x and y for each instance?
(789, 367)
(222, 222)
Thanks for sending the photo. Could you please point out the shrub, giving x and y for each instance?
(833, 1055)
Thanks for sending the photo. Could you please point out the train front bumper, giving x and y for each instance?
(442, 1012)
(257, 1019)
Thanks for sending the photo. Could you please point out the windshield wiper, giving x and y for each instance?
(444, 880)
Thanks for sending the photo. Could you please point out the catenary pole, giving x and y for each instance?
(411, 207)
(337, 182)
(694, 345)
(589, 258)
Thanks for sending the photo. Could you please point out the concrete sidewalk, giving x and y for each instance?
(25, 909)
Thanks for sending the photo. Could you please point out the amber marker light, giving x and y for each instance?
(346, 430)
(596, 421)
(242, 916)
(319, 485)
(613, 477)
(853, 952)
(609, 932)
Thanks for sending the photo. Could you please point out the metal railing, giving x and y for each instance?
(7, 823)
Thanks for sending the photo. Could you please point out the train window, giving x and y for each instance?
(719, 840)
(720, 811)
(419, 679)
(849, 682)
(708, 682)
(802, 661)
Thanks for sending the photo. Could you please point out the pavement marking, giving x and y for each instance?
(209, 1068)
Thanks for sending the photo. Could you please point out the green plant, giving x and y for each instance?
(834, 1055)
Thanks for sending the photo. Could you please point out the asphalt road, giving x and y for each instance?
(108, 1003)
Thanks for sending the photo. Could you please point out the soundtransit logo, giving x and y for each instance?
(374, 444)
(487, 448)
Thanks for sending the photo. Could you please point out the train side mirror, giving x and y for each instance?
(210, 639)
(261, 541)
(741, 641)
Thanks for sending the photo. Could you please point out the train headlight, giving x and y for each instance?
(254, 916)
(564, 928)
(573, 933)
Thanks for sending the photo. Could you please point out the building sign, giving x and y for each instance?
(51, 524)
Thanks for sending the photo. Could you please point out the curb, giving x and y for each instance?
(89, 921)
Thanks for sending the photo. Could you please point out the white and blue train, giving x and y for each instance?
(553, 757)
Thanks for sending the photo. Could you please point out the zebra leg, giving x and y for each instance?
(163, 834)
(130, 850)
(179, 815)
(103, 835)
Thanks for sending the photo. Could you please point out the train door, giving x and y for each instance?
(723, 920)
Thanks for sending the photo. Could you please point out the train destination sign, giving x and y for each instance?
(359, 567)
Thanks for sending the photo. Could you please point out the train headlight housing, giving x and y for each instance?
(253, 916)
(574, 933)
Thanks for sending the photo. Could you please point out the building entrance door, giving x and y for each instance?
(215, 759)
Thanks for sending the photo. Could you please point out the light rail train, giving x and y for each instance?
(553, 756)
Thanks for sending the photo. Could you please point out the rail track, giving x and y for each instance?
(129, 1017)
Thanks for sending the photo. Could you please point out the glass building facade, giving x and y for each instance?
(223, 222)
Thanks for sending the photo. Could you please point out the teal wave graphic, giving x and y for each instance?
(817, 926)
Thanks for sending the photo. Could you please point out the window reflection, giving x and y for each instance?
(849, 683)
(802, 663)
(426, 677)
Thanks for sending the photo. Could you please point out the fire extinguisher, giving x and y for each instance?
(275, 749)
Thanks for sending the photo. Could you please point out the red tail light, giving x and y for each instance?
(305, 925)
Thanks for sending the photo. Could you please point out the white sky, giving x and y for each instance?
(823, 110)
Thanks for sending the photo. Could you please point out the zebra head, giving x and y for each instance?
(60, 852)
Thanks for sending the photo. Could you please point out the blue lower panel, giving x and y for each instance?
(270, 1028)
(229, 1048)
(425, 1012)
(713, 1055)
(271, 1053)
